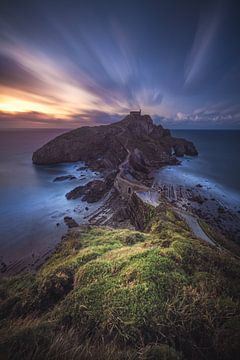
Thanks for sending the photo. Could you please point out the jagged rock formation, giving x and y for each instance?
(130, 149)
(94, 190)
(106, 147)
(70, 222)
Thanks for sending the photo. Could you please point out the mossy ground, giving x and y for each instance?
(122, 294)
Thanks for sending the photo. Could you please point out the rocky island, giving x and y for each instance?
(125, 152)
(143, 278)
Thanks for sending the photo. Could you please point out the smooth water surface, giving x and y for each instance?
(217, 167)
(31, 203)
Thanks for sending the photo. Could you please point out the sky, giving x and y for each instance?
(66, 63)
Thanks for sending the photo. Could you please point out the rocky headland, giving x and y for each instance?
(106, 147)
(125, 153)
(146, 277)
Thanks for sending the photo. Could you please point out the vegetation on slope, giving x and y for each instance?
(122, 294)
(220, 239)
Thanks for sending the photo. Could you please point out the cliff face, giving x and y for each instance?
(139, 212)
(107, 146)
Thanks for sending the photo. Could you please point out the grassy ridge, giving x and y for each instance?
(122, 294)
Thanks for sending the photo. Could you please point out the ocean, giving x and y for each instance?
(32, 205)
(216, 168)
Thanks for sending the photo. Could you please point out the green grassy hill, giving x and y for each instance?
(122, 294)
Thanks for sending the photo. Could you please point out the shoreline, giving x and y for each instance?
(135, 171)
(189, 201)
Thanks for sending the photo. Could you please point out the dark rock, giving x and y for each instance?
(76, 192)
(110, 145)
(82, 168)
(199, 186)
(139, 212)
(3, 267)
(221, 209)
(197, 198)
(120, 214)
(70, 222)
(183, 147)
(128, 151)
(94, 190)
(64, 177)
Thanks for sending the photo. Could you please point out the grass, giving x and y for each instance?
(123, 294)
(220, 239)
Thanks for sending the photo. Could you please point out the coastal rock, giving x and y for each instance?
(183, 147)
(105, 147)
(76, 192)
(81, 168)
(197, 198)
(128, 150)
(92, 192)
(64, 177)
(70, 222)
(3, 267)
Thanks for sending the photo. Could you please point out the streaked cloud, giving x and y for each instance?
(203, 47)
(90, 64)
(66, 89)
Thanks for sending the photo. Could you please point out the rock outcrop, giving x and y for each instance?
(128, 150)
(106, 146)
(182, 147)
(70, 222)
(139, 212)
(64, 178)
(94, 190)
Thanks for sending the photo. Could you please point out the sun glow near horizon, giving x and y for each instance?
(17, 105)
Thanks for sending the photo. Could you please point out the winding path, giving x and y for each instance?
(193, 223)
(123, 181)
(148, 196)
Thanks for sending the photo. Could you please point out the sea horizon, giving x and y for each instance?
(73, 128)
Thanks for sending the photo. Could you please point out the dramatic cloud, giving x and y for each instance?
(72, 63)
(40, 120)
(203, 49)
(202, 119)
